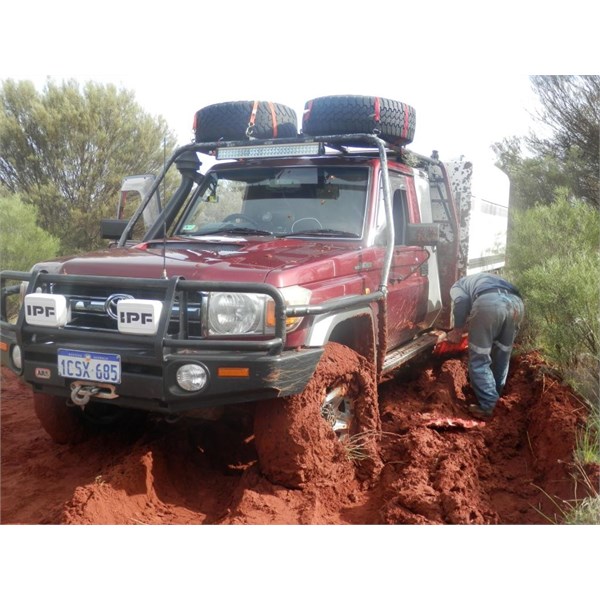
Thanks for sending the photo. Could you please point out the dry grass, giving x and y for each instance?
(576, 512)
(356, 445)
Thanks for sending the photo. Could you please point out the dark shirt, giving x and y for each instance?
(467, 289)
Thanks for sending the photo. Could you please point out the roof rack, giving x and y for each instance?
(352, 144)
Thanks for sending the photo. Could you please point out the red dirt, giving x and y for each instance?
(437, 465)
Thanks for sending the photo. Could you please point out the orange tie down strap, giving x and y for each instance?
(377, 110)
(405, 124)
(252, 120)
(377, 115)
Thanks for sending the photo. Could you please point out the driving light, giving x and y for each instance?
(139, 317)
(47, 310)
(269, 151)
(191, 377)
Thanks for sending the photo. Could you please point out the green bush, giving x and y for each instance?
(560, 228)
(554, 259)
(22, 242)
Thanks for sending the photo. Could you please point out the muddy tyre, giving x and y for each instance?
(393, 121)
(62, 423)
(305, 438)
(230, 121)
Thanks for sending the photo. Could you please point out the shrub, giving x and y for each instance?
(554, 260)
(556, 229)
(22, 242)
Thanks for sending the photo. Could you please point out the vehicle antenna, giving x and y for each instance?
(164, 200)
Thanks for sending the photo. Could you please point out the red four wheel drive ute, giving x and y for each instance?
(295, 264)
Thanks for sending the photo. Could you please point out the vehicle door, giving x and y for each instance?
(407, 283)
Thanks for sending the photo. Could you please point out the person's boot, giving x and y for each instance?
(479, 413)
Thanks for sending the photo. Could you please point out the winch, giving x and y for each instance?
(81, 392)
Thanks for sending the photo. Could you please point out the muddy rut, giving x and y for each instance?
(437, 465)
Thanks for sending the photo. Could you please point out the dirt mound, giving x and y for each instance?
(439, 466)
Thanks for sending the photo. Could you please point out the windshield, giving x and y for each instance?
(311, 201)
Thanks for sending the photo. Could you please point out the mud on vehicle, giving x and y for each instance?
(292, 275)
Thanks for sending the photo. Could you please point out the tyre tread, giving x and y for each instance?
(228, 121)
(338, 115)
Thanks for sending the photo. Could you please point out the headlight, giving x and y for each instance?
(236, 314)
(230, 313)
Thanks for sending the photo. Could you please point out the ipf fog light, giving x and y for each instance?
(191, 377)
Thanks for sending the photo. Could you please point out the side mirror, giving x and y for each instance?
(112, 229)
(422, 234)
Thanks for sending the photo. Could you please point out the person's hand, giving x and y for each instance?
(454, 336)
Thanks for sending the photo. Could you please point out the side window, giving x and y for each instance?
(399, 211)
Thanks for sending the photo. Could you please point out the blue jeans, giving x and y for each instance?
(492, 325)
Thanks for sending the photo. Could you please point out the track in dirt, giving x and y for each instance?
(438, 466)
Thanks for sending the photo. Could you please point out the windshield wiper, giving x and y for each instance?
(236, 229)
(323, 233)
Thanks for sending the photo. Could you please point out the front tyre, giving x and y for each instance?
(304, 438)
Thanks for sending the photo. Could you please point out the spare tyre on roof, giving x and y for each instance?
(393, 121)
(243, 120)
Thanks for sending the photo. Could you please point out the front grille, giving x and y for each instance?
(90, 308)
(181, 324)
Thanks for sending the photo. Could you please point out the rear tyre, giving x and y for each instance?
(230, 121)
(304, 438)
(393, 121)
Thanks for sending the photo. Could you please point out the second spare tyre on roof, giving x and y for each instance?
(243, 120)
(393, 121)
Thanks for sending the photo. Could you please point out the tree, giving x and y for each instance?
(571, 111)
(567, 155)
(533, 179)
(22, 242)
(66, 150)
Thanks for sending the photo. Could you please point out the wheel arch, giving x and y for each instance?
(354, 329)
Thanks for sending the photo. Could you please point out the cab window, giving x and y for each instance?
(399, 212)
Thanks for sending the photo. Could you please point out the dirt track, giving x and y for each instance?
(438, 465)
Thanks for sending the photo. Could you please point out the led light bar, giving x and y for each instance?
(270, 151)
